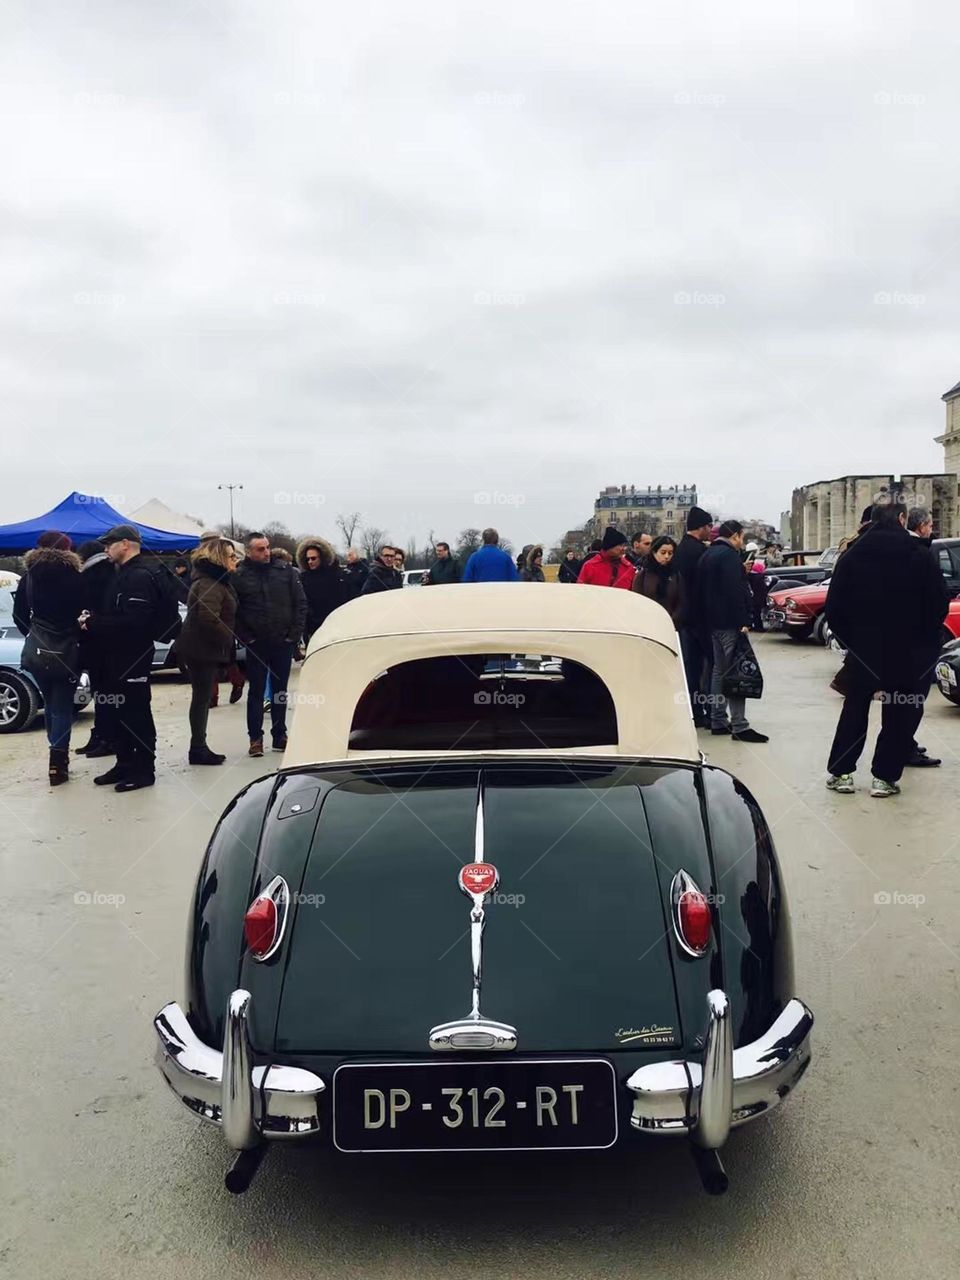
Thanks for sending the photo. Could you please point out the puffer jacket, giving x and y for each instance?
(324, 587)
(602, 570)
(208, 629)
(271, 606)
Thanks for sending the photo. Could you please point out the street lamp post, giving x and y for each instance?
(230, 488)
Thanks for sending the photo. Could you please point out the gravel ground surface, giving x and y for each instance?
(103, 1175)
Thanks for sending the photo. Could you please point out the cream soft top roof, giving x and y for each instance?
(628, 640)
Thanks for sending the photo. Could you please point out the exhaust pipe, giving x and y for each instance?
(710, 1168)
(244, 1169)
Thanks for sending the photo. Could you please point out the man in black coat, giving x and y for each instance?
(271, 611)
(124, 632)
(694, 641)
(444, 570)
(725, 607)
(383, 575)
(889, 650)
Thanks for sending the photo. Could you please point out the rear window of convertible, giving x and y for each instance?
(484, 702)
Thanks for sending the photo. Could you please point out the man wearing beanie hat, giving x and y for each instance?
(609, 567)
(694, 642)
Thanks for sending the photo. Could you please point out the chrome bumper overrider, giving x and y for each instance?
(250, 1103)
(731, 1086)
(701, 1099)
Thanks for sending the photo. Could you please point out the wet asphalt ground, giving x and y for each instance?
(103, 1175)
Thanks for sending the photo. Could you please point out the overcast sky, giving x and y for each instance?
(450, 267)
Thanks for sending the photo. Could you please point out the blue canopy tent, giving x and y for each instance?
(82, 517)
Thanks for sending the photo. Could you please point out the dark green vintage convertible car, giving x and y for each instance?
(493, 899)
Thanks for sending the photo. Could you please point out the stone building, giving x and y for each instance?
(651, 510)
(829, 510)
(951, 446)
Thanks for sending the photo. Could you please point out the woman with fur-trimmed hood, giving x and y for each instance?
(322, 580)
(531, 570)
(51, 595)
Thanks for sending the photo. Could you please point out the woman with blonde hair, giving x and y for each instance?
(206, 641)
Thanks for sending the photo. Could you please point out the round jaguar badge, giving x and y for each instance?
(478, 878)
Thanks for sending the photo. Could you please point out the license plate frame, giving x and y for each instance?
(602, 1133)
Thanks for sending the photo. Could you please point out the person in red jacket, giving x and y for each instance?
(609, 568)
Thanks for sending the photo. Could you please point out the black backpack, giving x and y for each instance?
(167, 620)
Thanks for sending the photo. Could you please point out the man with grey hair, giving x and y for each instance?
(920, 524)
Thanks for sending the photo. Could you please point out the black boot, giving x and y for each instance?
(99, 749)
(203, 755)
(59, 769)
(111, 777)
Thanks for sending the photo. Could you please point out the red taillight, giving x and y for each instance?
(260, 925)
(693, 917)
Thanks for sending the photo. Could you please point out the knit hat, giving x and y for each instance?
(697, 518)
(55, 541)
(612, 538)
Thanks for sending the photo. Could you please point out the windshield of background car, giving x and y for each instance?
(484, 702)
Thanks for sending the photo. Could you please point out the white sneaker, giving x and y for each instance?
(880, 789)
(841, 783)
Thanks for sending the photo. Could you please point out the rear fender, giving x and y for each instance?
(755, 936)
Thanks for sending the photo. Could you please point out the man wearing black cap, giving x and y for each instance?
(609, 567)
(125, 632)
(693, 639)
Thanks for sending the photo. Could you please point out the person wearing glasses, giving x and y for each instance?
(322, 580)
(383, 575)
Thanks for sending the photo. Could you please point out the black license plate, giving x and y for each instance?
(475, 1106)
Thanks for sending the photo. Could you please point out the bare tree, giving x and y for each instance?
(371, 540)
(468, 541)
(347, 524)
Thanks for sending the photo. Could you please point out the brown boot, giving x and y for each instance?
(59, 769)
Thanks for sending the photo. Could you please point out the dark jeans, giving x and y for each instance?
(693, 661)
(104, 708)
(275, 657)
(724, 644)
(136, 733)
(57, 709)
(203, 676)
(900, 718)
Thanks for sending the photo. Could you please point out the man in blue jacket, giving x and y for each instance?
(726, 608)
(490, 563)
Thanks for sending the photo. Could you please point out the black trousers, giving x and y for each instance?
(136, 735)
(902, 711)
(694, 661)
(203, 677)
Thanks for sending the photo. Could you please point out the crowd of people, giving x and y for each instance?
(102, 609)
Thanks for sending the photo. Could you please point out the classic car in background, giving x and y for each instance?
(494, 900)
(21, 701)
(412, 577)
(800, 574)
(948, 666)
(799, 611)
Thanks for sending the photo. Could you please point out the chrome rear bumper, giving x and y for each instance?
(250, 1103)
(701, 1099)
(731, 1086)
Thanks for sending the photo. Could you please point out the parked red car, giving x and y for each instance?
(799, 611)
